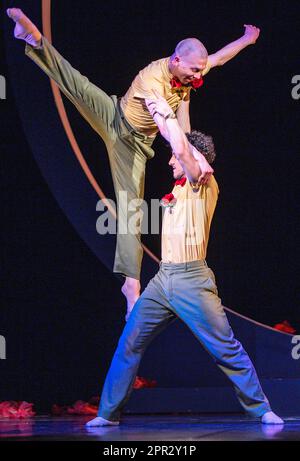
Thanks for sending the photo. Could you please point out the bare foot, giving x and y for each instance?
(131, 290)
(24, 29)
(98, 422)
(271, 418)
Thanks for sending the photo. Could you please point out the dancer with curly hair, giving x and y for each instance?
(183, 288)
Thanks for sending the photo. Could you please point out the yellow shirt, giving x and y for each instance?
(155, 76)
(185, 228)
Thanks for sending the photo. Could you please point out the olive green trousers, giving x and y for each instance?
(127, 150)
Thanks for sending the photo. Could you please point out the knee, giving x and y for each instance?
(131, 343)
(229, 350)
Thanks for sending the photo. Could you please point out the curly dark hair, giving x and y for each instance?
(203, 144)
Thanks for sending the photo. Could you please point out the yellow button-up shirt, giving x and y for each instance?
(185, 228)
(155, 76)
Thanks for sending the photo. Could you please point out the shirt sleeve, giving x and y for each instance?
(144, 88)
(148, 79)
(207, 67)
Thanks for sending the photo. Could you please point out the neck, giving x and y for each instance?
(171, 66)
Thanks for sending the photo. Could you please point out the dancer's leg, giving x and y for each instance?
(128, 155)
(149, 317)
(196, 302)
(124, 151)
(92, 102)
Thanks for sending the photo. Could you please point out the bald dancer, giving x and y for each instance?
(126, 126)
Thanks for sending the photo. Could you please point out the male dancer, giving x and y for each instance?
(125, 125)
(184, 287)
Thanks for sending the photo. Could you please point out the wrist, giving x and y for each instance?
(169, 115)
(246, 40)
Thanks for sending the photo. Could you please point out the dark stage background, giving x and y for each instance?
(61, 308)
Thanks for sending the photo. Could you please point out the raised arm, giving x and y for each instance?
(229, 51)
(182, 149)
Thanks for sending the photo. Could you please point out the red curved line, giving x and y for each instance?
(46, 20)
(259, 324)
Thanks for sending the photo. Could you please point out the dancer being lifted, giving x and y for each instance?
(126, 126)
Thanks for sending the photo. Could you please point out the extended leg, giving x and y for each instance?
(149, 317)
(198, 305)
(127, 156)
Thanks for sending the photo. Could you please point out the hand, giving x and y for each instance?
(206, 172)
(206, 169)
(251, 33)
(158, 105)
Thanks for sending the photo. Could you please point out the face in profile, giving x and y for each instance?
(177, 168)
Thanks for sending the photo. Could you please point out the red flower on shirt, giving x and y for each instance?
(168, 200)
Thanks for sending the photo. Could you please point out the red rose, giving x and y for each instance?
(168, 201)
(197, 83)
(168, 198)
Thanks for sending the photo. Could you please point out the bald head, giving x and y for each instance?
(191, 46)
(189, 60)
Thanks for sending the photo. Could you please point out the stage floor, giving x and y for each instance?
(151, 428)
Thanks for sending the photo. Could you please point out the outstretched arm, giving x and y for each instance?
(229, 51)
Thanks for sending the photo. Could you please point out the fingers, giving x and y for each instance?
(205, 176)
(250, 26)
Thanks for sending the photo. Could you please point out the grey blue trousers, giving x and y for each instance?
(128, 150)
(187, 291)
